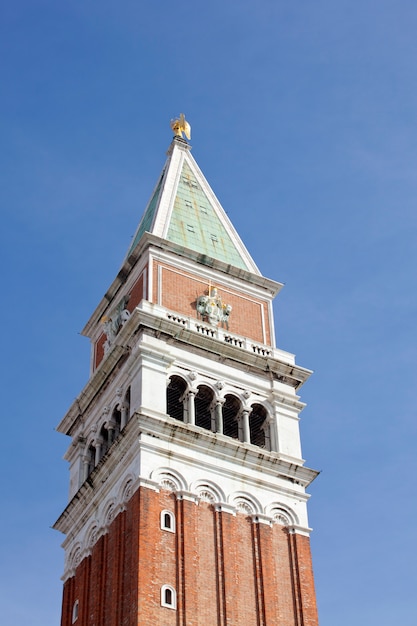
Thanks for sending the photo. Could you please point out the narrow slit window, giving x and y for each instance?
(168, 597)
(75, 611)
(190, 228)
(168, 521)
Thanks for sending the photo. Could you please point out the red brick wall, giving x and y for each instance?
(99, 350)
(226, 570)
(179, 291)
(136, 295)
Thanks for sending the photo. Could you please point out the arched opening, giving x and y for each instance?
(168, 597)
(75, 611)
(91, 459)
(104, 435)
(117, 422)
(127, 405)
(203, 407)
(175, 397)
(168, 521)
(258, 426)
(231, 409)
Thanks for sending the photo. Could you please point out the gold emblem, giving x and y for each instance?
(180, 125)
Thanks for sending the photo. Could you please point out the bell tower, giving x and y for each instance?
(187, 501)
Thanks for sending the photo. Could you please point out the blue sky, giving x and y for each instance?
(304, 121)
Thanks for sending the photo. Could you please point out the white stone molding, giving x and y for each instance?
(74, 559)
(281, 514)
(126, 491)
(169, 478)
(260, 518)
(163, 524)
(92, 535)
(208, 491)
(110, 513)
(245, 502)
(173, 596)
(224, 507)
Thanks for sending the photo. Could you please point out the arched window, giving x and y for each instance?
(258, 426)
(203, 407)
(168, 597)
(231, 409)
(127, 404)
(75, 611)
(91, 459)
(168, 521)
(117, 420)
(175, 397)
(104, 434)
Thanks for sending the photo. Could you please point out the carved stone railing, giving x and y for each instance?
(220, 334)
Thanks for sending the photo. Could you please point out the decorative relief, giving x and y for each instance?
(114, 322)
(110, 515)
(280, 518)
(281, 514)
(212, 310)
(92, 536)
(244, 506)
(169, 484)
(127, 491)
(75, 558)
(206, 496)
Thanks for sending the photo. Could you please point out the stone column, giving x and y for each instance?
(191, 405)
(124, 415)
(245, 425)
(99, 443)
(219, 415)
(111, 426)
(85, 466)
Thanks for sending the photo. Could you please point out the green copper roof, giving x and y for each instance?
(146, 222)
(195, 224)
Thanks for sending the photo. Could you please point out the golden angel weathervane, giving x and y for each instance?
(180, 125)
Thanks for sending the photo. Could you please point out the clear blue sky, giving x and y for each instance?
(304, 121)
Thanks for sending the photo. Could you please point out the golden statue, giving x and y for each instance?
(180, 126)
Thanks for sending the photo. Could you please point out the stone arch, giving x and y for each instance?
(245, 503)
(203, 403)
(175, 394)
(116, 421)
(90, 456)
(75, 557)
(91, 535)
(110, 512)
(281, 514)
(126, 490)
(231, 411)
(259, 426)
(208, 491)
(169, 478)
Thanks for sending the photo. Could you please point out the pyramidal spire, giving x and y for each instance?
(184, 210)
